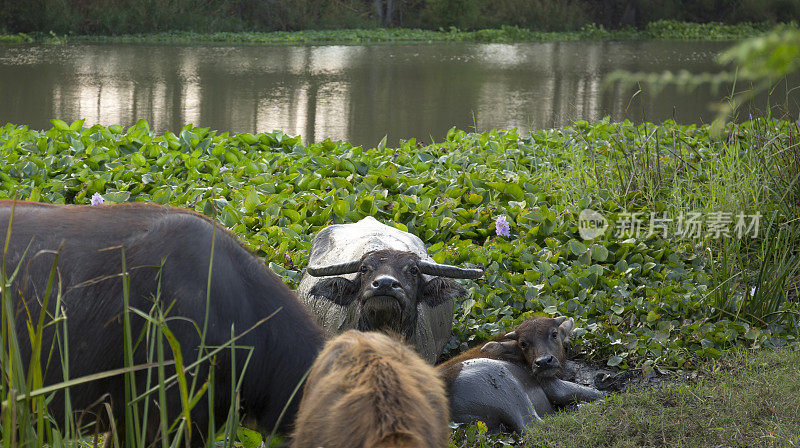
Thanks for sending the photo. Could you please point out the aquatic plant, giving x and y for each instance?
(638, 299)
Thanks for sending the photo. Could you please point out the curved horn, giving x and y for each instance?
(560, 320)
(446, 270)
(511, 335)
(350, 267)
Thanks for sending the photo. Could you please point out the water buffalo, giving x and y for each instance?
(167, 253)
(513, 379)
(370, 390)
(377, 277)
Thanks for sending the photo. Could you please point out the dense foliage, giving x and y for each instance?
(662, 30)
(646, 300)
(112, 17)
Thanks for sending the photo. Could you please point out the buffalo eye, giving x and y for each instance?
(413, 270)
(364, 268)
(523, 345)
(554, 335)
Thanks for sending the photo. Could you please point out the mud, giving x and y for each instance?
(609, 380)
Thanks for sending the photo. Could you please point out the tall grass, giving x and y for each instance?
(751, 168)
(25, 418)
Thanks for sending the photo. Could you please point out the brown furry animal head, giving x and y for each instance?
(367, 390)
(538, 343)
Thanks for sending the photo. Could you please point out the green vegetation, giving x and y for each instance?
(653, 301)
(638, 301)
(663, 30)
(112, 17)
(746, 399)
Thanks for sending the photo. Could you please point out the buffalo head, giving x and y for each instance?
(537, 343)
(388, 286)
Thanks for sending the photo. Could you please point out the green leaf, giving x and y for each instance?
(251, 202)
(116, 196)
(576, 248)
(77, 125)
(138, 159)
(365, 204)
(293, 215)
(248, 437)
(515, 190)
(60, 125)
(341, 208)
(614, 361)
(161, 196)
(499, 186)
(599, 253)
(248, 138)
(474, 199)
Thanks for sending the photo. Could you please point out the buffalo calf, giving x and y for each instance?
(367, 390)
(513, 379)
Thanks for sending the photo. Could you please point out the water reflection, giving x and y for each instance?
(355, 93)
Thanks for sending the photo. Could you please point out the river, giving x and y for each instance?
(354, 93)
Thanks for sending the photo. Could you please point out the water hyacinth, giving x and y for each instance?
(97, 199)
(501, 226)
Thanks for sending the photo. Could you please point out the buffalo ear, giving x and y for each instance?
(507, 350)
(565, 329)
(338, 290)
(439, 290)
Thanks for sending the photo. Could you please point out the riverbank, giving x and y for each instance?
(661, 30)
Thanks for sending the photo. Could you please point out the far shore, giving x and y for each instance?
(661, 30)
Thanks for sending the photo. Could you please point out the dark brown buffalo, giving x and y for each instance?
(369, 276)
(368, 390)
(170, 249)
(512, 380)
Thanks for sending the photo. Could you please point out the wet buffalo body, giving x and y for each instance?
(170, 249)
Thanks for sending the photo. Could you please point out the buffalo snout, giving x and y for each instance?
(385, 283)
(547, 362)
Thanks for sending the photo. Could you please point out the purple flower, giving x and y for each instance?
(501, 226)
(97, 199)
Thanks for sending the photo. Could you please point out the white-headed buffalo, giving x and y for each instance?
(368, 390)
(369, 276)
(512, 380)
(167, 252)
